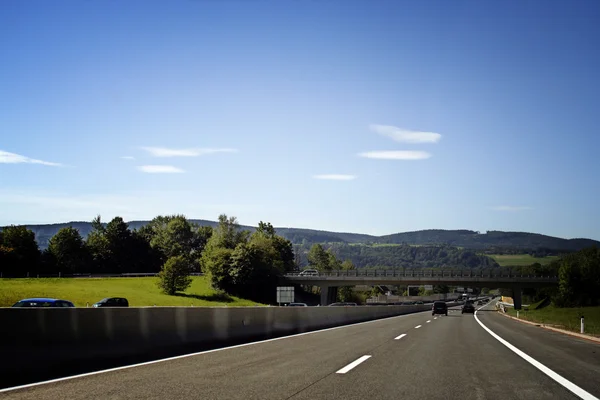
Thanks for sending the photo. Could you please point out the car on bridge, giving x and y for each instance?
(309, 272)
(439, 307)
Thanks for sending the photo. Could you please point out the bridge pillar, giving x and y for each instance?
(328, 295)
(517, 298)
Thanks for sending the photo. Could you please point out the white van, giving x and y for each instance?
(309, 272)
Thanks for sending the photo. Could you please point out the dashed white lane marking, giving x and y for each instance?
(104, 371)
(553, 375)
(353, 364)
(428, 321)
(417, 327)
(434, 317)
(400, 337)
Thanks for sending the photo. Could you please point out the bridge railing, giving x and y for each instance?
(418, 274)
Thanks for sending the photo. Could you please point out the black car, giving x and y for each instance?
(112, 302)
(342, 304)
(439, 307)
(468, 307)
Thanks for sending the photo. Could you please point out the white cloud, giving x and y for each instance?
(193, 152)
(511, 208)
(406, 135)
(335, 177)
(12, 158)
(160, 169)
(396, 155)
(127, 158)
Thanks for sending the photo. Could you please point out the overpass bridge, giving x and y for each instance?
(329, 281)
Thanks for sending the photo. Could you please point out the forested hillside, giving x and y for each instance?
(490, 242)
(402, 256)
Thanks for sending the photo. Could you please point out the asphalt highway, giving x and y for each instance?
(415, 356)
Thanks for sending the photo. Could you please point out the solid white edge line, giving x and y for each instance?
(553, 375)
(66, 378)
(418, 326)
(353, 364)
(400, 337)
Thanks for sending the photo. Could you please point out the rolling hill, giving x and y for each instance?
(519, 241)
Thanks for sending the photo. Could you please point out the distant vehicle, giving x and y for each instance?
(297, 305)
(439, 307)
(43, 303)
(468, 307)
(480, 303)
(309, 272)
(112, 302)
(342, 304)
(419, 302)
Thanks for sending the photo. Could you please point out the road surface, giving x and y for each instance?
(414, 356)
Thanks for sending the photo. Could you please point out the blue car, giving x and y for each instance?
(43, 303)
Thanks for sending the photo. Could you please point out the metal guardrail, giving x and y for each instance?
(416, 274)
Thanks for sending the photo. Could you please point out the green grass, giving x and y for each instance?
(139, 291)
(509, 260)
(563, 318)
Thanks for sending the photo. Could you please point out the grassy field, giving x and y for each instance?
(139, 291)
(508, 260)
(563, 318)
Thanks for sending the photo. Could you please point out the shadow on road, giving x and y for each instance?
(222, 297)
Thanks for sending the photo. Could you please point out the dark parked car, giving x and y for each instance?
(297, 305)
(344, 304)
(439, 307)
(468, 307)
(112, 302)
(43, 302)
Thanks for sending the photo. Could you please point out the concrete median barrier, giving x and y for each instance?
(34, 340)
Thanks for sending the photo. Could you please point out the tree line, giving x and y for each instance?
(236, 261)
(578, 279)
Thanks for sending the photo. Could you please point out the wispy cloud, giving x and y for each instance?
(406, 135)
(335, 177)
(160, 169)
(13, 158)
(127, 158)
(511, 208)
(396, 155)
(192, 152)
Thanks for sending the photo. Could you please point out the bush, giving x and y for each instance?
(175, 275)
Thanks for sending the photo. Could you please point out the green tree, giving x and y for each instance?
(174, 238)
(20, 251)
(253, 266)
(346, 293)
(68, 251)
(318, 258)
(175, 275)
(376, 291)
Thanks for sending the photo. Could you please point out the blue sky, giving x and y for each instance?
(361, 116)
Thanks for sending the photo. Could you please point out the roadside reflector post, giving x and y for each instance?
(87, 305)
(582, 324)
(517, 313)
